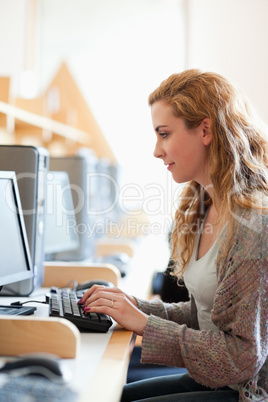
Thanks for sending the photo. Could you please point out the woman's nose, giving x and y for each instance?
(158, 152)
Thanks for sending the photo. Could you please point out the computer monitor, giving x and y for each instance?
(16, 263)
(80, 169)
(61, 232)
(31, 166)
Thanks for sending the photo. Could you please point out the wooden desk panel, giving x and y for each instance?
(60, 273)
(22, 335)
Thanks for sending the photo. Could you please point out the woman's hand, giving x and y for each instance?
(117, 304)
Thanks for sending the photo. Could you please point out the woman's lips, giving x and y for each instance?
(169, 166)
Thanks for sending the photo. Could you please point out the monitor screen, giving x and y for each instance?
(61, 232)
(15, 257)
(80, 169)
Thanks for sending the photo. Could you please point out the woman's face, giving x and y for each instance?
(182, 150)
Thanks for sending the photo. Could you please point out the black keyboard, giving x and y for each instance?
(64, 303)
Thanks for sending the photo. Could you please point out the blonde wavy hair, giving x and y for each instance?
(237, 154)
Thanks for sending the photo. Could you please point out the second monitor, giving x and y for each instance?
(61, 232)
(78, 169)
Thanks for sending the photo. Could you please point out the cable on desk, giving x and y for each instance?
(18, 303)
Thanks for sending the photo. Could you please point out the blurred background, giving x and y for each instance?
(117, 52)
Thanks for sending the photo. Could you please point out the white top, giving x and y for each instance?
(200, 280)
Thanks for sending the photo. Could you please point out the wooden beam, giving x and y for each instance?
(72, 100)
(4, 97)
(33, 119)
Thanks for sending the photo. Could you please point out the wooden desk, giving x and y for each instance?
(106, 382)
(109, 376)
(99, 370)
(101, 358)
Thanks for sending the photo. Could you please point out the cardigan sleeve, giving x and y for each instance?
(181, 313)
(239, 350)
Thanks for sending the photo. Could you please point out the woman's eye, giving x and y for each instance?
(163, 135)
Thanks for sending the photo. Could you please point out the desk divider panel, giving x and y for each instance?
(60, 273)
(109, 246)
(23, 335)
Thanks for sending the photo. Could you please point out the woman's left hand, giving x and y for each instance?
(115, 303)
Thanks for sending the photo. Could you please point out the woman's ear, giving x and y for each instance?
(206, 131)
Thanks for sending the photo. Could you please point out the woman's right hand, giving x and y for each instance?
(95, 288)
(117, 304)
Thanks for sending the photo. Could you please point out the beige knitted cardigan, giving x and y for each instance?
(238, 352)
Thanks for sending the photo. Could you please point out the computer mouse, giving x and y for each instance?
(35, 365)
(89, 284)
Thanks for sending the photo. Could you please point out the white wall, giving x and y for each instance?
(12, 39)
(231, 37)
(119, 51)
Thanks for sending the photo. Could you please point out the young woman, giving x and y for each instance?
(208, 138)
